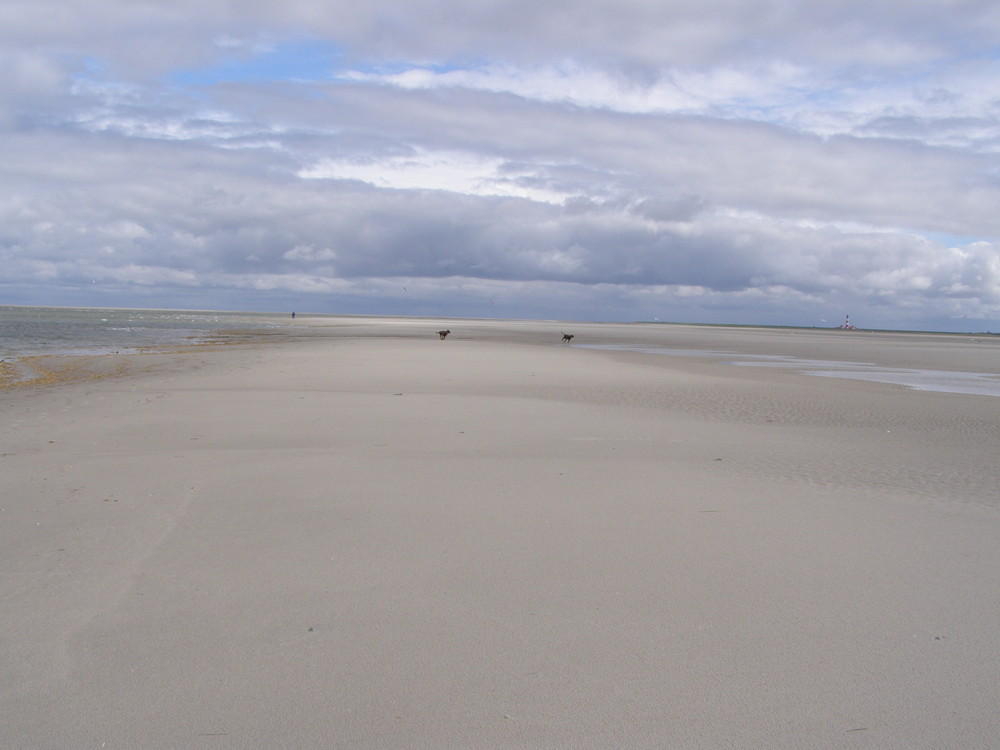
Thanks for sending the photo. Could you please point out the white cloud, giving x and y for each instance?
(437, 170)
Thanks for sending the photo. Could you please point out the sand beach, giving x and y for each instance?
(349, 533)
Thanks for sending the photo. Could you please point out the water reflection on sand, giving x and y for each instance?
(946, 381)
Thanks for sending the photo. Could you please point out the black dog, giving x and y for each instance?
(567, 337)
(442, 334)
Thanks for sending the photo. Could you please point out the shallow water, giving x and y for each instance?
(29, 331)
(944, 381)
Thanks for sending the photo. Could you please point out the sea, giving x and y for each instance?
(32, 331)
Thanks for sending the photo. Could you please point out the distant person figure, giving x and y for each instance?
(293, 315)
(442, 334)
(567, 337)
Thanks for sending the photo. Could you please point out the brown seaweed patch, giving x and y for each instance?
(53, 369)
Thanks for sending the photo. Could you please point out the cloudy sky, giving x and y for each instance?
(742, 161)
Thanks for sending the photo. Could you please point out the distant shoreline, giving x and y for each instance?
(283, 315)
(922, 360)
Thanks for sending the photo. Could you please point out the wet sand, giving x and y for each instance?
(350, 533)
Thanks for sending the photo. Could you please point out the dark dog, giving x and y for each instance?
(442, 334)
(567, 337)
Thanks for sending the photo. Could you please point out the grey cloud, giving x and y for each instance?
(751, 166)
(683, 209)
(643, 35)
(979, 134)
(225, 217)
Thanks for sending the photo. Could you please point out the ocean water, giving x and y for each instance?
(29, 331)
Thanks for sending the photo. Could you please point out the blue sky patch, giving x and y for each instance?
(303, 60)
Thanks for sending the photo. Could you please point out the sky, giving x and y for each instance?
(763, 162)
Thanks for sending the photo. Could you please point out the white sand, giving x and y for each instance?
(369, 538)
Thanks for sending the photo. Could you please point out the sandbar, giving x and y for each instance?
(352, 534)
